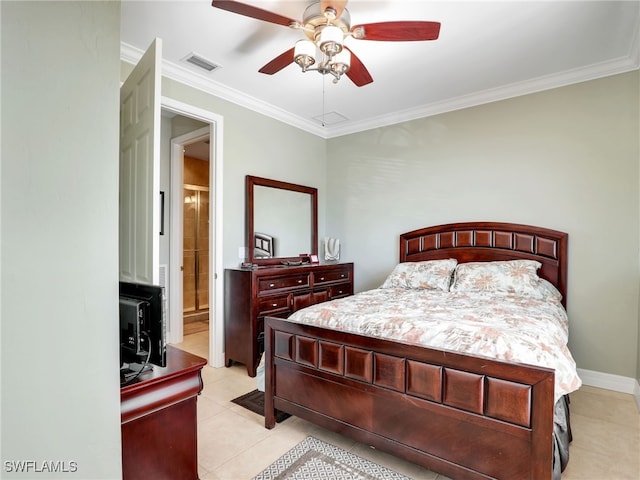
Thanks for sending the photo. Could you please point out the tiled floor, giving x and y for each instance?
(234, 445)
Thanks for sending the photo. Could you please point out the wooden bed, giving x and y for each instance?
(263, 245)
(464, 416)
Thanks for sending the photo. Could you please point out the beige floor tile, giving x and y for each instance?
(250, 463)
(605, 405)
(409, 469)
(207, 408)
(198, 344)
(589, 465)
(203, 473)
(226, 389)
(208, 476)
(603, 437)
(224, 436)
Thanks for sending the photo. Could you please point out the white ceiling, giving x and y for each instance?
(486, 51)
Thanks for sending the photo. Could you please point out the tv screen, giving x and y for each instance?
(144, 335)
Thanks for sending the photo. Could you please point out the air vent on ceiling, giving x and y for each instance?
(201, 62)
(330, 118)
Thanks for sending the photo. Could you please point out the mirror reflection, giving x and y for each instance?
(281, 220)
(285, 217)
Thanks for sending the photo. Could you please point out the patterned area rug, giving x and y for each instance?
(254, 401)
(313, 459)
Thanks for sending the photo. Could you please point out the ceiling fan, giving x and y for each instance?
(326, 24)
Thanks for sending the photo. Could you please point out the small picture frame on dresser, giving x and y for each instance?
(313, 259)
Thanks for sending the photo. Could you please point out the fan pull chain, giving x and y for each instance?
(323, 93)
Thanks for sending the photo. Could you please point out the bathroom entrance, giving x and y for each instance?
(195, 242)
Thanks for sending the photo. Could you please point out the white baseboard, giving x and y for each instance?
(609, 381)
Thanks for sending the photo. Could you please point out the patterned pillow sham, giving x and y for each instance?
(510, 276)
(546, 291)
(428, 275)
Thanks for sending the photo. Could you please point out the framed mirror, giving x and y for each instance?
(281, 221)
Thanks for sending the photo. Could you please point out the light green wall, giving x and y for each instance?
(256, 145)
(59, 221)
(566, 159)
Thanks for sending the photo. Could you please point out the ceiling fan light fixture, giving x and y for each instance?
(304, 53)
(331, 38)
(326, 23)
(340, 64)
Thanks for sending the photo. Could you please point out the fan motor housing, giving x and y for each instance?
(315, 20)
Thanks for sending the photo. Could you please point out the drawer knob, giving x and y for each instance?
(271, 285)
(339, 292)
(274, 304)
(299, 281)
(321, 278)
(342, 276)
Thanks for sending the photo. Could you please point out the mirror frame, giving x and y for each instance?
(252, 182)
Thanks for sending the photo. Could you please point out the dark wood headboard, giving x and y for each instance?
(263, 245)
(491, 241)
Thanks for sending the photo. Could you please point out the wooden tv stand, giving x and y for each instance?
(159, 422)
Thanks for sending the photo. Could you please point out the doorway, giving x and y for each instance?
(211, 225)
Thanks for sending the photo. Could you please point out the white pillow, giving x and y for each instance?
(427, 275)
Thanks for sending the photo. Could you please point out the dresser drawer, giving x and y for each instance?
(270, 304)
(329, 276)
(286, 281)
(341, 290)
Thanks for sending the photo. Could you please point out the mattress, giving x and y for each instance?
(501, 326)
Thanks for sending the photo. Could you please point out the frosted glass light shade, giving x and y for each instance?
(342, 61)
(304, 53)
(331, 39)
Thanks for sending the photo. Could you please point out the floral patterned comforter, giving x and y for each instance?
(501, 326)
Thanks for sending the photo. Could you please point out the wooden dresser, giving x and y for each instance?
(276, 291)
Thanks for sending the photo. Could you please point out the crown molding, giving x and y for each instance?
(132, 55)
(195, 80)
(505, 92)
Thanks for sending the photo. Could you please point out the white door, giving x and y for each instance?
(140, 169)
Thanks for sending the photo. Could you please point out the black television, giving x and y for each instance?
(142, 328)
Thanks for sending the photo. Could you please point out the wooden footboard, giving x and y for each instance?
(464, 416)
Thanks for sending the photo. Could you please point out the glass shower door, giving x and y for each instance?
(196, 253)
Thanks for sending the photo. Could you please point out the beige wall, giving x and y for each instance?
(565, 159)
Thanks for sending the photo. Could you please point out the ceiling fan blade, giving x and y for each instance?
(398, 31)
(278, 63)
(253, 12)
(337, 5)
(357, 72)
